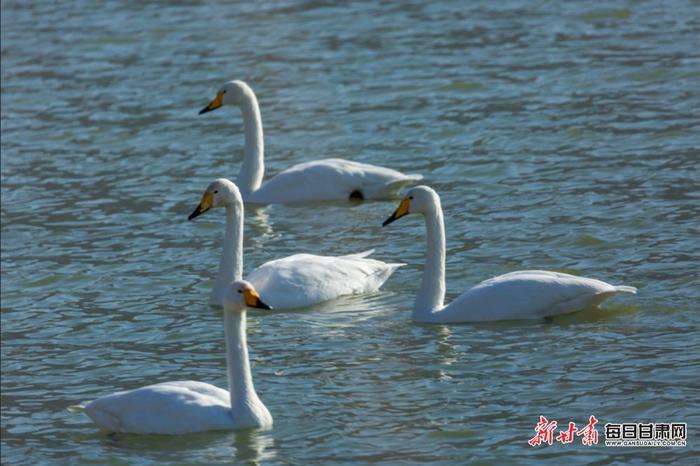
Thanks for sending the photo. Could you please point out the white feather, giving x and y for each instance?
(187, 406)
(526, 294)
(295, 281)
(164, 408)
(330, 179)
(320, 180)
(304, 279)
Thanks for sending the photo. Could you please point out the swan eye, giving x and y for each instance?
(410, 198)
(240, 291)
(216, 191)
(224, 91)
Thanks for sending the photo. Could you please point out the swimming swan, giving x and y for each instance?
(296, 281)
(320, 180)
(526, 294)
(188, 406)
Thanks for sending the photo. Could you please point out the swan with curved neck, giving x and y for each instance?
(292, 282)
(527, 294)
(189, 406)
(319, 180)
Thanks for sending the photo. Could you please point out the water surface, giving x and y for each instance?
(560, 136)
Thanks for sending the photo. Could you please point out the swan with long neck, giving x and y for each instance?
(188, 406)
(292, 282)
(319, 180)
(526, 294)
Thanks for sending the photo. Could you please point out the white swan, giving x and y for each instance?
(527, 294)
(320, 180)
(296, 281)
(188, 406)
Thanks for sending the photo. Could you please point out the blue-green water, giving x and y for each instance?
(560, 136)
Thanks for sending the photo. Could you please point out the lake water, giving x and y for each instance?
(562, 136)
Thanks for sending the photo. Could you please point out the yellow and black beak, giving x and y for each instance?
(204, 205)
(252, 299)
(399, 212)
(214, 104)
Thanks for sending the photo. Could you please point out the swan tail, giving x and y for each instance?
(360, 255)
(404, 180)
(626, 289)
(377, 279)
(394, 188)
(76, 408)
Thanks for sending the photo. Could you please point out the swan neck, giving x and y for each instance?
(253, 167)
(240, 379)
(231, 263)
(431, 294)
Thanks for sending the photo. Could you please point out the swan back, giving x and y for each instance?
(165, 408)
(305, 279)
(526, 294)
(330, 179)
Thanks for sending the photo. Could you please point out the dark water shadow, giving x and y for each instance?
(248, 446)
(587, 315)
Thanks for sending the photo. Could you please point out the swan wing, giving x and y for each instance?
(528, 294)
(331, 180)
(164, 408)
(304, 279)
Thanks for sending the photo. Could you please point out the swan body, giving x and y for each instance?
(320, 180)
(299, 280)
(331, 180)
(165, 408)
(526, 294)
(188, 406)
(303, 280)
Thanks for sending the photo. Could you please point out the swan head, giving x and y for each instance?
(419, 199)
(220, 193)
(231, 93)
(241, 295)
